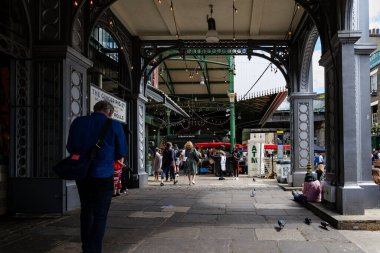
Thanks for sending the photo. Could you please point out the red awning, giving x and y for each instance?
(239, 146)
(212, 144)
(274, 146)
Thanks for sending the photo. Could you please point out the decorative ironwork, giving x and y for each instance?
(307, 59)
(118, 32)
(277, 52)
(48, 121)
(22, 113)
(50, 16)
(303, 134)
(76, 84)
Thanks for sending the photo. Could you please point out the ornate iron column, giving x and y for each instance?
(138, 102)
(348, 111)
(301, 105)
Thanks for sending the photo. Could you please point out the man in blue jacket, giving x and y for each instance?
(96, 190)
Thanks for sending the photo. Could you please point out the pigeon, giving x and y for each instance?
(324, 225)
(307, 221)
(281, 223)
(253, 179)
(253, 194)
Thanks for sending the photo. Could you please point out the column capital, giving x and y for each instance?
(302, 95)
(346, 37)
(364, 48)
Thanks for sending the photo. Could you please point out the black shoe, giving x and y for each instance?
(162, 184)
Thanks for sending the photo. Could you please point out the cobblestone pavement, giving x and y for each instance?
(209, 216)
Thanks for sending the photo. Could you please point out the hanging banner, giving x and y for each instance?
(120, 106)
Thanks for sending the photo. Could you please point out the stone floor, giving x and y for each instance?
(210, 216)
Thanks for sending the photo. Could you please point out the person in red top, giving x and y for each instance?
(118, 169)
(311, 188)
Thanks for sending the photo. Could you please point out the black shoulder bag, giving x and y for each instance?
(77, 166)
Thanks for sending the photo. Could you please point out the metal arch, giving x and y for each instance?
(312, 7)
(279, 51)
(169, 83)
(315, 11)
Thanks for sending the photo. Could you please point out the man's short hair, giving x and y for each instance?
(103, 106)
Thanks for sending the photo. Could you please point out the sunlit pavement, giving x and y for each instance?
(210, 216)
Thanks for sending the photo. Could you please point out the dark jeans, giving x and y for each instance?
(95, 197)
(166, 170)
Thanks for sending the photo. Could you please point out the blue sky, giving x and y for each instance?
(247, 72)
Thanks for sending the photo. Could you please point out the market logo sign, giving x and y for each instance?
(120, 106)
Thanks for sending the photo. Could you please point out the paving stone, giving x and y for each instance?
(343, 247)
(207, 233)
(176, 209)
(273, 234)
(179, 233)
(125, 235)
(244, 246)
(159, 245)
(206, 218)
(150, 215)
(301, 247)
(199, 218)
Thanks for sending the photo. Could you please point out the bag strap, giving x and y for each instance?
(100, 142)
(105, 128)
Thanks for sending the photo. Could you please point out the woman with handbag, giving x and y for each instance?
(191, 158)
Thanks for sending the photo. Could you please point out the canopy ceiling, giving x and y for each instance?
(181, 78)
(254, 19)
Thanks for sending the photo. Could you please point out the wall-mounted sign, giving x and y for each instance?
(120, 106)
(374, 60)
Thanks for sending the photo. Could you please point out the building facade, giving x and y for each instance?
(53, 52)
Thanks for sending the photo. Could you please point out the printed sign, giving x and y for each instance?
(120, 106)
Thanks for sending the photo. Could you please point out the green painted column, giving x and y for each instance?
(231, 95)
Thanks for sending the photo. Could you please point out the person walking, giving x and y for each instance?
(95, 191)
(236, 159)
(118, 169)
(217, 156)
(191, 159)
(157, 164)
(168, 163)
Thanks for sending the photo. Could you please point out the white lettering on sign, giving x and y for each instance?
(120, 106)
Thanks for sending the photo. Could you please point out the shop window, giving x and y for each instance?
(374, 84)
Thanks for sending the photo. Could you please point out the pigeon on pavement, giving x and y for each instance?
(281, 223)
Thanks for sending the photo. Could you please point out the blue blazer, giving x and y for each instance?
(84, 133)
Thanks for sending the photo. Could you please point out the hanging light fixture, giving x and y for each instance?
(202, 82)
(212, 34)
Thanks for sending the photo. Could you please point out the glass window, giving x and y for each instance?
(105, 41)
(374, 83)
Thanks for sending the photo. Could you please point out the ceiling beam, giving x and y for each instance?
(256, 17)
(166, 14)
